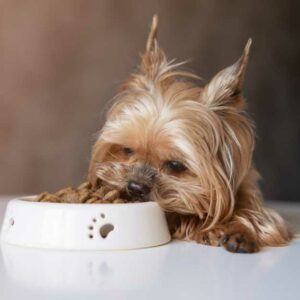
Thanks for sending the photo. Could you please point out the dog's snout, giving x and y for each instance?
(138, 189)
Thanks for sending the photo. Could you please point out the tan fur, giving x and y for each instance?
(163, 115)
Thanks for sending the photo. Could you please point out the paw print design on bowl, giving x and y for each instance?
(100, 229)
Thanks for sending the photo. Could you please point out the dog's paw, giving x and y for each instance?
(213, 237)
(239, 240)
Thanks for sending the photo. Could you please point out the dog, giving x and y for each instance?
(189, 148)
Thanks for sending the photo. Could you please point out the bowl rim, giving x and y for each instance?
(25, 199)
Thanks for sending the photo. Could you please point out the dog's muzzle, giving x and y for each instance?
(141, 179)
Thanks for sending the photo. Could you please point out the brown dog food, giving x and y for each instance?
(84, 193)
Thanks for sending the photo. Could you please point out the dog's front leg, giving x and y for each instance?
(189, 227)
(233, 236)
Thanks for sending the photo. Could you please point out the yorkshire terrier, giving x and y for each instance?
(188, 148)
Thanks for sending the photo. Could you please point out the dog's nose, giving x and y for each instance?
(138, 189)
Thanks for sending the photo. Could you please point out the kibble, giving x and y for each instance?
(84, 193)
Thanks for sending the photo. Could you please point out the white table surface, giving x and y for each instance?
(178, 270)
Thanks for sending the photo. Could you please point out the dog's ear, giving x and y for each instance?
(153, 57)
(152, 36)
(225, 87)
(153, 63)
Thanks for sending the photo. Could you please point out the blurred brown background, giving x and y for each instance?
(61, 62)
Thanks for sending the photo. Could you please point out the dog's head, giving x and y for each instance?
(167, 139)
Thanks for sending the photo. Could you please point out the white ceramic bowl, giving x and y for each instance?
(84, 226)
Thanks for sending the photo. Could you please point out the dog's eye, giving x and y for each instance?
(175, 166)
(127, 151)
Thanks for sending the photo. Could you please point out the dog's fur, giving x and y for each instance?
(161, 116)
